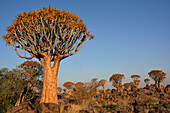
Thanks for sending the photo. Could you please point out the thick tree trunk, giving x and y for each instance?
(49, 92)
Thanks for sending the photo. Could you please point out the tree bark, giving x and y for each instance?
(49, 92)
(159, 84)
(104, 89)
(156, 84)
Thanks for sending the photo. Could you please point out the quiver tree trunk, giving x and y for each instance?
(104, 89)
(137, 85)
(159, 84)
(67, 91)
(156, 84)
(49, 92)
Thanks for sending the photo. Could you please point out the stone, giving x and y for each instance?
(24, 107)
(39, 108)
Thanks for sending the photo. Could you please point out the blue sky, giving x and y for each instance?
(131, 37)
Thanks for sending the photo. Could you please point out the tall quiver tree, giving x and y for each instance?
(116, 80)
(136, 80)
(102, 83)
(147, 81)
(50, 35)
(158, 76)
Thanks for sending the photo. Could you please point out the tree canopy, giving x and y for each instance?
(49, 31)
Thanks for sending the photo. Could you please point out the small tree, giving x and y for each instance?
(137, 83)
(31, 73)
(95, 83)
(136, 80)
(158, 76)
(59, 89)
(50, 35)
(102, 83)
(68, 86)
(132, 85)
(127, 86)
(116, 80)
(79, 85)
(147, 81)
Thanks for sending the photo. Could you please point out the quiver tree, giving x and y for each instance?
(137, 83)
(103, 83)
(127, 86)
(50, 35)
(68, 86)
(79, 85)
(136, 80)
(116, 80)
(158, 76)
(65, 90)
(132, 85)
(95, 83)
(147, 81)
(31, 73)
(59, 89)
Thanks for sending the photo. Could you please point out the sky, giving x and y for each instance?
(131, 37)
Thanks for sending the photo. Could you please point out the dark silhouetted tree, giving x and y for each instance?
(50, 35)
(158, 76)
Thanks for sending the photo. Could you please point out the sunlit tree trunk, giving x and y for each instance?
(159, 84)
(69, 91)
(104, 89)
(49, 92)
(137, 85)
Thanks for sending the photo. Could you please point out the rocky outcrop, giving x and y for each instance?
(38, 108)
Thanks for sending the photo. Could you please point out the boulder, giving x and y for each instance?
(26, 107)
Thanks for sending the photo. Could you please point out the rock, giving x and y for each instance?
(24, 107)
(122, 111)
(47, 108)
(39, 108)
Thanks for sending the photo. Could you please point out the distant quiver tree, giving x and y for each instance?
(147, 81)
(50, 35)
(136, 80)
(68, 86)
(116, 80)
(102, 83)
(158, 76)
